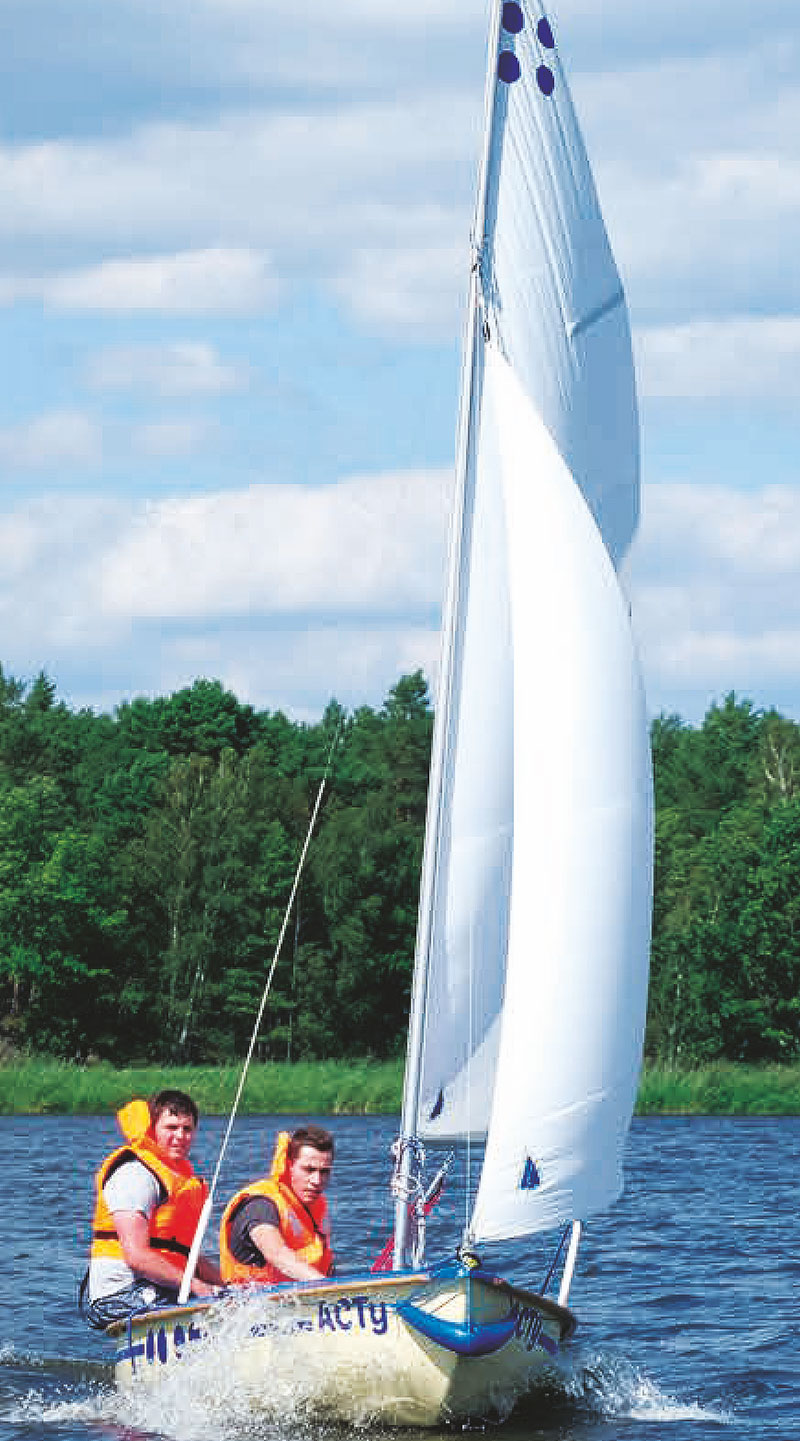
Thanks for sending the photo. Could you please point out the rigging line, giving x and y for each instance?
(470, 1054)
(449, 663)
(205, 1214)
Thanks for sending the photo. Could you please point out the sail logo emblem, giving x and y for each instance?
(508, 66)
(530, 1178)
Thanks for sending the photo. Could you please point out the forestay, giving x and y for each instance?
(532, 994)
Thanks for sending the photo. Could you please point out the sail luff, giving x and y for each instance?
(448, 662)
(434, 819)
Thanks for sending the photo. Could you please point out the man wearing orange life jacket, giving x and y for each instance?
(276, 1229)
(147, 1208)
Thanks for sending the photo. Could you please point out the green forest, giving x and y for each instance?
(146, 860)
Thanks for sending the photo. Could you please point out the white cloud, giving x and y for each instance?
(254, 175)
(48, 596)
(300, 668)
(198, 282)
(288, 596)
(713, 529)
(756, 358)
(239, 209)
(398, 291)
(348, 184)
(692, 146)
(369, 544)
(613, 34)
(62, 437)
(180, 368)
(272, 168)
(414, 14)
(368, 189)
(715, 595)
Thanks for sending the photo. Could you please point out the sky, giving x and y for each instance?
(233, 257)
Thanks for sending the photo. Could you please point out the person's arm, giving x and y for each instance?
(275, 1251)
(133, 1231)
(208, 1270)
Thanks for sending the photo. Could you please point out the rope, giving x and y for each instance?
(468, 1178)
(205, 1215)
(406, 1183)
(548, 1278)
(468, 1198)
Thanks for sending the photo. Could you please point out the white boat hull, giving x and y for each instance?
(345, 1349)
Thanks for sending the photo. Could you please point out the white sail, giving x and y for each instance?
(470, 901)
(576, 974)
(539, 844)
(552, 288)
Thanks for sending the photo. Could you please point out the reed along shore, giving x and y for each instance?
(308, 1088)
(335, 1088)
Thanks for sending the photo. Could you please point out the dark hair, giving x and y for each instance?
(315, 1136)
(176, 1102)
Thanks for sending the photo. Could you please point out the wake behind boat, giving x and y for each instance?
(530, 975)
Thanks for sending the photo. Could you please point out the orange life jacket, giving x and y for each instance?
(174, 1221)
(304, 1228)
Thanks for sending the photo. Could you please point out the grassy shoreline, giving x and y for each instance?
(43, 1087)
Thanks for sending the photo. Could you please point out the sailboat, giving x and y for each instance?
(530, 975)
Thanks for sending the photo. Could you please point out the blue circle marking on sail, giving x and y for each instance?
(545, 34)
(513, 18)
(508, 67)
(545, 79)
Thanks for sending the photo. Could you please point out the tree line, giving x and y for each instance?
(146, 858)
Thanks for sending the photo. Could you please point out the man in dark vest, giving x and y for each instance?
(276, 1229)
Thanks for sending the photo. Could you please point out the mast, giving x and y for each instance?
(449, 663)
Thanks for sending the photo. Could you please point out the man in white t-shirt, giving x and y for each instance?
(148, 1204)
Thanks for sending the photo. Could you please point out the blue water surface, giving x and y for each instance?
(687, 1292)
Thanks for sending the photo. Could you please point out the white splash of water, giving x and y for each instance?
(52, 1410)
(221, 1389)
(615, 1388)
(168, 1411)
(208, 1397)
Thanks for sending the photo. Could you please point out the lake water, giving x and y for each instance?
(687, 1292)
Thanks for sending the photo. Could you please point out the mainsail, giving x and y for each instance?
(531, 970)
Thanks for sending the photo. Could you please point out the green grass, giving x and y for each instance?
(332, 1088)
(336, 1088)
(722, 1089)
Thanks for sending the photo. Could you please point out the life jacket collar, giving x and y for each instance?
(136, 1125)
(280, 1168)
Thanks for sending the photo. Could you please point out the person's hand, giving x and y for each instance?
(204, 1288)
